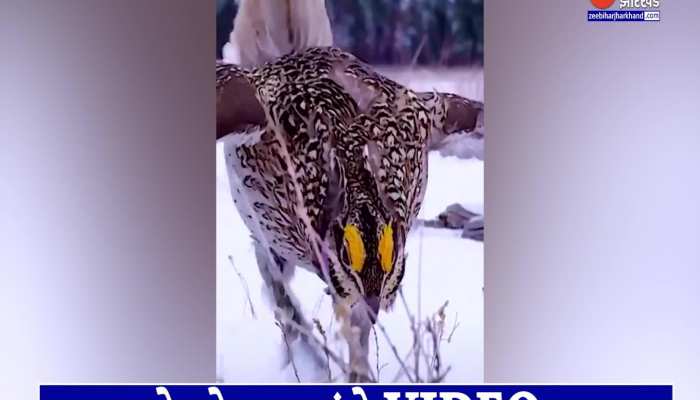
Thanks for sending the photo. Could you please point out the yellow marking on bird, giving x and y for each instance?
(355, 247)
(386, 248)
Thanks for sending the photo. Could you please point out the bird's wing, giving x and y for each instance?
(458, 125)
(236, 103)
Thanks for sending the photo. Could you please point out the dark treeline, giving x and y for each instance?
(433, 32)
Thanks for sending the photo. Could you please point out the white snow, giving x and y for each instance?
(251, 350)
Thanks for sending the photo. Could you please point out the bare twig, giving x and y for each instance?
(415, 329)
(434, 328)
(376, 346)
(420, 273)
(454, 328)
(435, 336)
(325, 348)
(388, 341)
(400, 373)
(411, 319)
(417, 332)
(333, 356)
(289, 351)
(442, 376)
(244, 283)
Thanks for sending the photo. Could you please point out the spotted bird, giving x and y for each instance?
(328, 165)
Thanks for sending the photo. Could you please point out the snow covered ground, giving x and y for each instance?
(250, 347)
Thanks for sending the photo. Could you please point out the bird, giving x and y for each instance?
(327, 161)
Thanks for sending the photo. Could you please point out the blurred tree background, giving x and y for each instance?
(427, 32)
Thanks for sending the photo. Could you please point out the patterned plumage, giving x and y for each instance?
(356, 145)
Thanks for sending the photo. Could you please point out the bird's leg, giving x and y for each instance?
(359, 349)
(276, 273)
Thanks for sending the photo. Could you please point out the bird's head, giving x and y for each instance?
(370, 251)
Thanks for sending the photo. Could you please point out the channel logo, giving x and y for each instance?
(628, 11)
